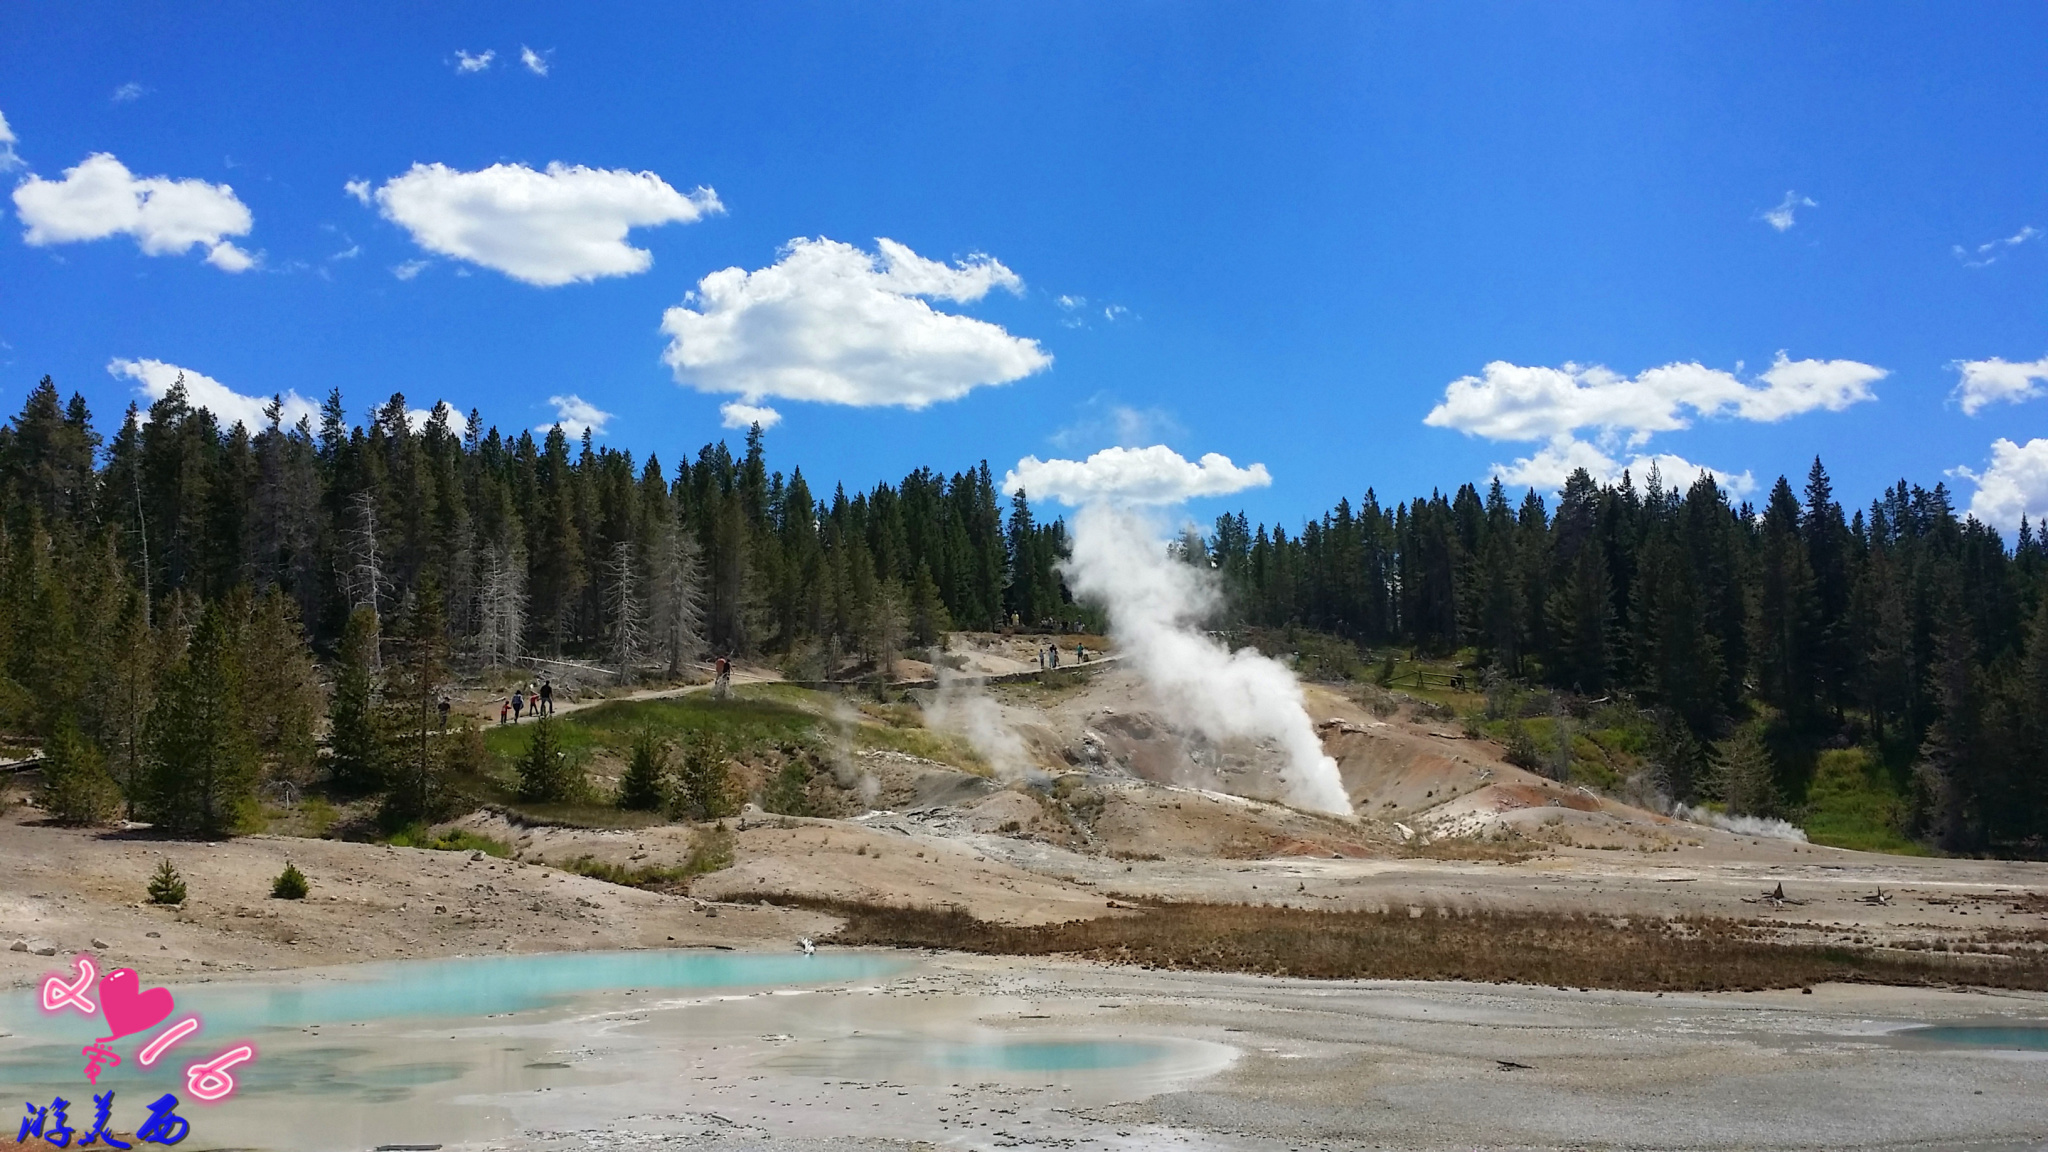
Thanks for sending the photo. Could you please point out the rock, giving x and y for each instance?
(18, 946)
(153, 935)
(475, 856)
(45, 950)
(99, 943)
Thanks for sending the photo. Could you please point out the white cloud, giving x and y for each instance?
(536, 62)
(1510, 402)
(829, 323)
(349, 253)
(8, 160)
(464, 62)
(128, 93)
(1547, 469)
(2015, 485)
(410, 268)
(360, 189)
(548, 228)
(1996, 381)
(416, 418)
(1155, 475)
(1990, 251)
(575, 415)
(153, 378)
(742, 415)
(101, 198)
(1781, 217)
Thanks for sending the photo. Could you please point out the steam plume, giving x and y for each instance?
(1155, 606)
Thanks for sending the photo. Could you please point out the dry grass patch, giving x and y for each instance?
(1557, 949)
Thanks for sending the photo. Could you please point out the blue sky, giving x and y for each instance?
(1294, 228)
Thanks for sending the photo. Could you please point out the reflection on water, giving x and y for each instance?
(2025, 1037)
(1039, 1059)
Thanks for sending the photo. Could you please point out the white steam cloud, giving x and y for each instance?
(1759, 826)
(1156, 605)
(970, 713)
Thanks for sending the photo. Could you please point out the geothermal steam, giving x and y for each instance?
(1156, 605)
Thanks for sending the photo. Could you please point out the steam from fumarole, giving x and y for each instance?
(1155, 605)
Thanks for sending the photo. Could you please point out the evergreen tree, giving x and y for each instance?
(644, 787)
(203, 769)
(546, 773)
(355, 743)
(75, 786)
(415, 685)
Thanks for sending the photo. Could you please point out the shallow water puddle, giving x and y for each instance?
(1035, 1059)
(2021, 1037)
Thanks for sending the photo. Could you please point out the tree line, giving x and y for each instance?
(1903, 628)
(172, 595)
(186, 572)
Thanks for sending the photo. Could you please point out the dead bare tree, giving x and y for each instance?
(678, 597)
(501, 605)
(364, 580)
(626, 607)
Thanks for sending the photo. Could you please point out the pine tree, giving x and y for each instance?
(1745, 774)
(282, 696)
(546, 774)
(355, 744)
(414, 686)
(644, 786)
(290, 883)
(704, 788)
(203, 769)
(165, 885)
(75, 787)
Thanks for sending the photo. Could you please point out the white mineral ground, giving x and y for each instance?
(1256, 1063)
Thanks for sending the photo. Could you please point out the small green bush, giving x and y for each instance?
(166, 887)
(290, 883)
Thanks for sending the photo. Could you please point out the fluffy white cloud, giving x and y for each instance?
(153, 379)
(553, 227)
(416, 418)
(742, 415)
(129, 93)
(1782, 217)
(101, 198)
(2015, 485)
(1996, 381)
(464, 62)
(1991, 251)
(536, 62)
(831, 324)
(8, 160)
(1155, 475)
(360, 189)
(1547, 469)
(1510, 402)
(410, 268)
(575, 415)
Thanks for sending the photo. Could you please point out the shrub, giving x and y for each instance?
(705, 790)
(166, 887)
(290, 883)
(789, 793)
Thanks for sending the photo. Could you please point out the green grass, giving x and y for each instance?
(1850, 804)
(454, 840)
(752, 718)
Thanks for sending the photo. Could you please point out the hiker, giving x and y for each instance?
(444, 714)
(518, 703)
(547, 698)
(721, 683)
(1080, 652)
(1055, 656)
(504, 709)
